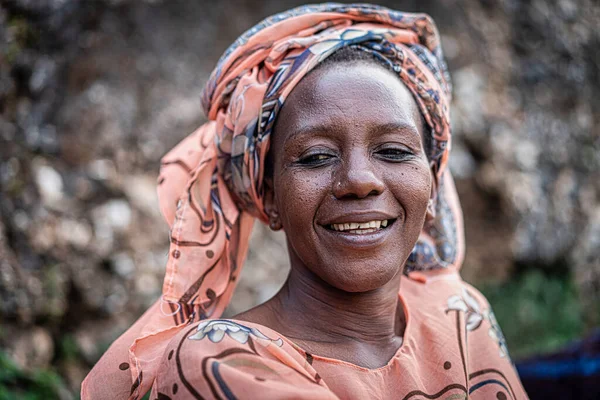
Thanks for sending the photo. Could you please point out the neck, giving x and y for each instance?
(311, 310)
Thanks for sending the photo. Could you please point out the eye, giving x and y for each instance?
(315, 159)
(394, 153)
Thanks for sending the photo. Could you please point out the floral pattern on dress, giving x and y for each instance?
(470, 306)
(475, 315)
(216, 329)
(496, 333)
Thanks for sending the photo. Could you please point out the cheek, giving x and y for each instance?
(412, 188)
(298, 195)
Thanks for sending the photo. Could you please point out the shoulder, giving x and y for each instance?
(443, 297)
(454, 321)
(215, 357)
(445, 306)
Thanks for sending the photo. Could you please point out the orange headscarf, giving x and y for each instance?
(211, 184)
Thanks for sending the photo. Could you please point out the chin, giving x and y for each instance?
(358, 279)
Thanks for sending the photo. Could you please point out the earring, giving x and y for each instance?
(430, 210)
(275, 224)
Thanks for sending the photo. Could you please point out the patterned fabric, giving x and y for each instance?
(452, 349)
(211, 184)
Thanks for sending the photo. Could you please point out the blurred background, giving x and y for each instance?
(93, 93)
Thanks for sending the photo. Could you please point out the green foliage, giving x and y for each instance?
(538, 313)
(16, 384)
(23, 35)
(68, 349)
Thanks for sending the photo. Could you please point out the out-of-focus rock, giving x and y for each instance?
(110, 219)
(527, 112)
(115, 213)
(102, 169)
(78, 234)
(123, 264)
(50, 184)
(31, 348)
(141, 192)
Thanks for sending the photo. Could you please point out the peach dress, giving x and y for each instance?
(452, 349)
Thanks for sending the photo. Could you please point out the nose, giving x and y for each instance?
(356, 177)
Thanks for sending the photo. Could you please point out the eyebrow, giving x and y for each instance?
(313, 129)
(395, 126)
(377, 129)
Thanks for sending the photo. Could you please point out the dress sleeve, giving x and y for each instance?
(459, 339)
(225, 359)
(111, 376)
(491, 371)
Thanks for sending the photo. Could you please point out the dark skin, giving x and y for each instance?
(347, 149)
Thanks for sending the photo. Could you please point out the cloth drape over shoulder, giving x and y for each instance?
(211, 184)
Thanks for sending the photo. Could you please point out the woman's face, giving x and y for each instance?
(351, 179)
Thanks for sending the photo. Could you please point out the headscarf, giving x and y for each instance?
(211, 184)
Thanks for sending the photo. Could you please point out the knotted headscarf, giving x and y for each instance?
(211, 184)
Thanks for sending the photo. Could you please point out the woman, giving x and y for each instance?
(330, 122)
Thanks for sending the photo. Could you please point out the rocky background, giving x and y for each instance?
(92, 93)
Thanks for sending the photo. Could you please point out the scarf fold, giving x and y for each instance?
(211, 184)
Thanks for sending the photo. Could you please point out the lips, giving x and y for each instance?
(363, 229)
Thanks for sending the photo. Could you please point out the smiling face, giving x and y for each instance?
(351, 180)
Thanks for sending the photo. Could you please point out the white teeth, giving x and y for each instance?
(360, 227)
(370, 230)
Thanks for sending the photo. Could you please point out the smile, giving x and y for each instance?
(360, 227)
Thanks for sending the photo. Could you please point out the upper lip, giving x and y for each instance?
(357, 216)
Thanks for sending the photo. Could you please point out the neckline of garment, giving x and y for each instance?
(337, 361)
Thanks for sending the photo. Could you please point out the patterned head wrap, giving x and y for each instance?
(211, 184)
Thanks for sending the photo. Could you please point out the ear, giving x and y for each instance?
(270, 205)
(431, 204)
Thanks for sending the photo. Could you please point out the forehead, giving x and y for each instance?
(348, 93)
